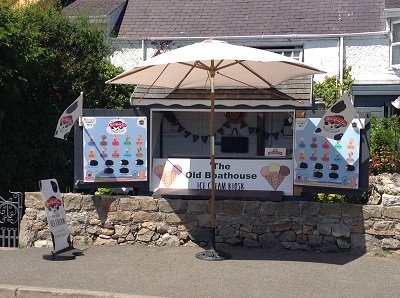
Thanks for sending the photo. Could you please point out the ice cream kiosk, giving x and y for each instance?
(265, 144)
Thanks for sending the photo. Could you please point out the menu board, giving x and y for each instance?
(319, 161)
(114, 149)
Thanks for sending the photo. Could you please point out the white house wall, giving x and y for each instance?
(370, 60)
(369, 56)
(322, 54)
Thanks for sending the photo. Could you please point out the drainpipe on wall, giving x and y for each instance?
(341, 58)
(144, 50)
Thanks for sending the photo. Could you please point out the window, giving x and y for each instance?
(291, 52)
(396, 43)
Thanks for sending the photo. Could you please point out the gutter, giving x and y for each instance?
(287, 36)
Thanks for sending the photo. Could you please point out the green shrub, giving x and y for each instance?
(384, 154)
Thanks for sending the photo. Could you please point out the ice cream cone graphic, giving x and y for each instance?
(275, 174)
(167, 177)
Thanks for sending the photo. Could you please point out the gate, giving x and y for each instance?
(10, 218)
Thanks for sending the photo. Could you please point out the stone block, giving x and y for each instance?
(87, 203)
(340, 230)
(72, 202)
(287, 236)
(352, 211)
(34, 200)
(234, 208)
(172, 205)
(325, 228)
(38, 225)
(383, 225)
(288, 209)
(391, 212)
(195, 206)
(280, 226)
(93, 230)
(162, 227)
(248, 235)
(142, 216)
(148, 204)
(200, 235)
(119, 216)
(227, 232)
(268, 241)
(330, 210)
(128, 204)
(390, 243)
(314, 240)
(308, 230)
(246, 228)
(310, 208)
(329, 239)
(267, 208)
(251, 207)
(302, 238)
(259, 228)
(390, 200)
(145, 235)
(172, 218)
(122, 230)
(371, 211)
(150, 225)
(343, 243)
(102, 241)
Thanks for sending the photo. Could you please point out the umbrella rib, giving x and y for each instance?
(254, 73)
(197, 64)
(227, 65)
(187, 74)
(148, 89)
(123, 75)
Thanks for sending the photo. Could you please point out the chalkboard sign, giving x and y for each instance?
(234, 144)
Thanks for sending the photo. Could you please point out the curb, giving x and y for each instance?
(20, 291)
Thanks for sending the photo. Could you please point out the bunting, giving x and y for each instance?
(171, 118)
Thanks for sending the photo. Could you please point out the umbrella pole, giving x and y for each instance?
(213, 212)
(213, 254)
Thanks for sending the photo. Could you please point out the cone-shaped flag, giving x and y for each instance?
(68, 118)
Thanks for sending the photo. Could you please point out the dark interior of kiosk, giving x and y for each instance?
(185, 134)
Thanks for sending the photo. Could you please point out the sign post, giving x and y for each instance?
(56, 218)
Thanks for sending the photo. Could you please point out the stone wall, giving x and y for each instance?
(111, 220)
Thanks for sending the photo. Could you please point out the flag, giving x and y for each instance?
(68, 118)
(337, 119)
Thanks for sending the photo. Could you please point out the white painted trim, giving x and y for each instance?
(223, 102)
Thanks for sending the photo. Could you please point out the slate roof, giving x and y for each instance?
(389, 4)
(93, 7)
(211, 18)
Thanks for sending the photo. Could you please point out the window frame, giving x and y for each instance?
(394, 44)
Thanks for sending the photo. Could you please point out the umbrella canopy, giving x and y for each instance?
(232, 66)
(214, 63)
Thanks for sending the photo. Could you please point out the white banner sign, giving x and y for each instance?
(230, 174)
(55, 213)
(68, 118)
(336, 119)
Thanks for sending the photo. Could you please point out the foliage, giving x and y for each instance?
(330, 89)
(385, 135)
(340, 198)
(46, 60)
(103, 191)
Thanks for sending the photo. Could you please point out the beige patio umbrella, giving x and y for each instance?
(210, 64)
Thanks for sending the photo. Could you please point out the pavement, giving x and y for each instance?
(137, 271)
